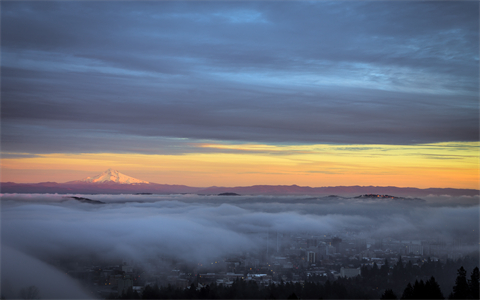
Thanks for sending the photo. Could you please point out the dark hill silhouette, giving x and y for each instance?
(338, 190)
(154, 188)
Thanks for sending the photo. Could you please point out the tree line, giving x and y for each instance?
(463, 288)
(342, 288)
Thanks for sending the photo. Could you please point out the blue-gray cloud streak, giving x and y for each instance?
(145, 73)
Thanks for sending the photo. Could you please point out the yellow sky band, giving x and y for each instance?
(454, 164)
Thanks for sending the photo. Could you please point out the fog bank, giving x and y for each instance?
(195, 229)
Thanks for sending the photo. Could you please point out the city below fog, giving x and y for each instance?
(98, 246)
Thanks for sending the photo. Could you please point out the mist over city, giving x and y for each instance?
(202, 233)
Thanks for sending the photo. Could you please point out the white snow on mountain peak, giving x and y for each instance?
(112, 175)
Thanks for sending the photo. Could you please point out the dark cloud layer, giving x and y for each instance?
(301, 72)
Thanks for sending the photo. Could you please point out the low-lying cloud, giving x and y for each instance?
(20, 271)
(196, 229)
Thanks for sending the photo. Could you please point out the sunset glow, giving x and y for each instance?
(428, 165)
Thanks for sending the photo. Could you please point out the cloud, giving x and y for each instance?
(193, 230)
(196, 229)
(20, 271)
(292, 72)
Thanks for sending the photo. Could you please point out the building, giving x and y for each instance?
(347, 272)
(311, 257)
(311, 243)
(414, 249)
(330, 250)
(123, 284)
(336, 242)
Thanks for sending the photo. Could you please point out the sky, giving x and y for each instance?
(240, 93)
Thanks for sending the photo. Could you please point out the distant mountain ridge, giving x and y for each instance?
(78, 187)
(113, 182)
(109, 182)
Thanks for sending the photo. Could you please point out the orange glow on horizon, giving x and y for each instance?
(454, 165)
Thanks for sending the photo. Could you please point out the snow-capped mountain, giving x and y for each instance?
(112, 176)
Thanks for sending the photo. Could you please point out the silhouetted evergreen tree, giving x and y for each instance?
(292, 296)
(400, 277)
(151, 292)
(389, 294)
(473, 284)
(432, 289)
(130, 294)
(375, 270)
(419, 290)
(384, 271)
(408, 292)
(327, 289)
(460, 290)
